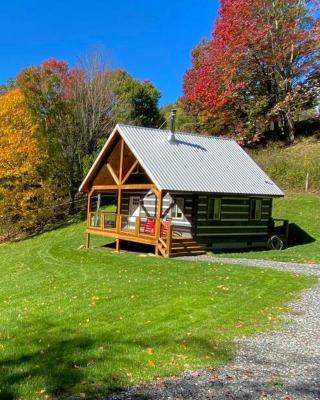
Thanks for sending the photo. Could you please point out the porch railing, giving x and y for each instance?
(165, 238)
(103, 220)
(136, 226)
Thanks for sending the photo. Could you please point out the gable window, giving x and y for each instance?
(214, 208)
(177, 208)
(255, 209)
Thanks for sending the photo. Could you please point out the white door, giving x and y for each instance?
(134, 210)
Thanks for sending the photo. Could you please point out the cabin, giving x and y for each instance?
(181, 193)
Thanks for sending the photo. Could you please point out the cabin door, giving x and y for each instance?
(134, 211)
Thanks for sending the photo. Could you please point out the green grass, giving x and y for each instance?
(302, 210)
(77, 321)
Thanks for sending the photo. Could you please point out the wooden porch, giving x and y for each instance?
(144, 230)
(170, 242)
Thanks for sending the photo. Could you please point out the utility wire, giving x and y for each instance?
(164, 122)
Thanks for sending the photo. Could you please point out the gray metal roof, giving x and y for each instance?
(196, 163)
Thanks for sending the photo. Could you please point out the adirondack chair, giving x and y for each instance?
(150, 226)
(165, 227)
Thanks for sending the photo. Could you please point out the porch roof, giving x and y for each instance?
(193, 163)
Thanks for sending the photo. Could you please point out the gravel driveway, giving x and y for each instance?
(279, 365)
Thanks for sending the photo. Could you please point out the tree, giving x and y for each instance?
(136, 102)
(76, 110)
(94, 101)
(8, 85)
(49, 93)
(23, 192)
(260, 52)
(184, 122)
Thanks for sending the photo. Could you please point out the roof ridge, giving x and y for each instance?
(179, 132)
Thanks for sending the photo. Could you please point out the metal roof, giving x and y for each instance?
(194, 163)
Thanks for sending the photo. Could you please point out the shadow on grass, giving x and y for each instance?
(131, 246)
(298, 236)
(60, 364)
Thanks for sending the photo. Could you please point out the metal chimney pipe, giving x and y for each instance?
(171, 137)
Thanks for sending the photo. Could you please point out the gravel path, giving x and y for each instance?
(281, 365)
(305, 269)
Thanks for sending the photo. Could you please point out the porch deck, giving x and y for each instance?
(126, 227)
(166, 238)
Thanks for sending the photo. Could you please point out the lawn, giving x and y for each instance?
(302, 210)
(85, 322)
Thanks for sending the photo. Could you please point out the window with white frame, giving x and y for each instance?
(214, 208)
(178, 208)
(255, 209)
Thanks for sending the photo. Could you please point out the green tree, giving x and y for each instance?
(185, 122)
(136, 102)
(48, 89)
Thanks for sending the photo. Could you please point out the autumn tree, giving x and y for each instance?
(76, 110)
(249, 75)
(24, 193)
(49, 93)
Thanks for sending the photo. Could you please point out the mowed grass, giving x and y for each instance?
(87, 322)
(302, 210)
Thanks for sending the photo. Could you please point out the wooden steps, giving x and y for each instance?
(185, 247)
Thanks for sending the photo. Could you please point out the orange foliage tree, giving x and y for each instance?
(23, 192)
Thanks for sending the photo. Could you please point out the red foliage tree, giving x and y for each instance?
(260, 51)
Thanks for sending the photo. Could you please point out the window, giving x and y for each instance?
(134, 206)
(255, 209)
(177, 208)
(214, 208)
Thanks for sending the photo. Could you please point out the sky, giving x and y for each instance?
(150, 39)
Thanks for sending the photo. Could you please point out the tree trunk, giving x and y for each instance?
(290, 126)
(72, 196)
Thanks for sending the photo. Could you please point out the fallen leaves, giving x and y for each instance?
(151, 364)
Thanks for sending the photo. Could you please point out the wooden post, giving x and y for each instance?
(88, 208)
(137, 226)
(118, 245)
(118, 226)
(118, 222)
(102, 217)
(121, 160)
(87, 240)
(307, 182)
(169, 240)
(158, 218)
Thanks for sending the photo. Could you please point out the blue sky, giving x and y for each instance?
(150, 39)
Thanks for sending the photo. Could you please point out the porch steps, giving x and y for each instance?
(185, 247)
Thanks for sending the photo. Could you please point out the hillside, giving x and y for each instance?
(289, 165)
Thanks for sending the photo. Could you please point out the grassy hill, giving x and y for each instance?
(82, 322)
(289, 165)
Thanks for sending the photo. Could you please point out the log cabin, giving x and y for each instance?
(179, 192)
